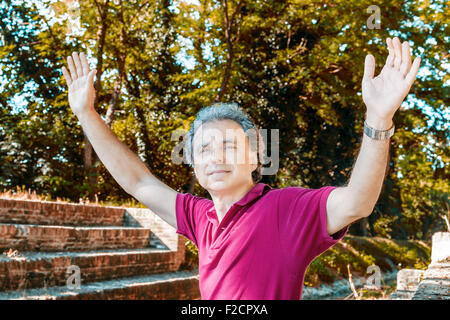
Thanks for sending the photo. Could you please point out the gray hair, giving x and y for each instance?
(224, 111)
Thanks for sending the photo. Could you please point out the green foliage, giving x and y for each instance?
(318, 272)
(191, 256)
(362, 252)
(295, 66)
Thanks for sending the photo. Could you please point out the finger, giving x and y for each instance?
(398, 53)
(406, 59)
(391, 56)
(67, 76)
(413, 71)
(76, 59)
(84, 63)
(369, 67)
(91, 76)
(73, 73)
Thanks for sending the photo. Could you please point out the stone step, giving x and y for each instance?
(436, 282)
(29, 237)
(58, 213)
(46, 269)
(178, 285)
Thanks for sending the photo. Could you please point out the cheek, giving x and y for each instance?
(199, 172)
(243, 159)
(247, 166)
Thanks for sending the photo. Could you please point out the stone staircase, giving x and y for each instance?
(54, 250)
(430, 284)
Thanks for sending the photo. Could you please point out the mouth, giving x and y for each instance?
(218, 172)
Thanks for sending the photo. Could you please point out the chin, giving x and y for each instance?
(218, 185)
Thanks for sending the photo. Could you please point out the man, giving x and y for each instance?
(254, 242)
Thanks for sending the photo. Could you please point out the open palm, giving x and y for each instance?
(384, 93)
(80, 81)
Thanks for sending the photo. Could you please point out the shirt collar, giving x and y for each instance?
(253, 194)
(257, 191)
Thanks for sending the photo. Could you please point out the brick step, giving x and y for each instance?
(46, 269)
(57, 213)
(178, 285)
(29, 237)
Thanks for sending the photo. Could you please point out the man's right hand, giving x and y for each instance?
(80, 81)
(126, 167)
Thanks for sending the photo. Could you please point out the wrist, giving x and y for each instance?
(87, 112)
(379, 123)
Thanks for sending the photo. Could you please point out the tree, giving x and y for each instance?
(295, 66)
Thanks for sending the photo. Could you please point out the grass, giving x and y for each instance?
(21, 193)
(361, 252)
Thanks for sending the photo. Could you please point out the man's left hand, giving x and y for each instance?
(384, 93)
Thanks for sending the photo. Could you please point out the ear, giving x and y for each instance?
(253, 160)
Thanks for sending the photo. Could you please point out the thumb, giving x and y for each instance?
(369, 67)
(91, 76)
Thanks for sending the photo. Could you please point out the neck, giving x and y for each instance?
(223, 200)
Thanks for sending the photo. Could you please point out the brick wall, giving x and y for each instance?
(122, 253)
(49, 213)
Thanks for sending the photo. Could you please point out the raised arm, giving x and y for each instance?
(382, 95)
(125, 166)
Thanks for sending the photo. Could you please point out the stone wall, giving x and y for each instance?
(436, 280)
(430, 284)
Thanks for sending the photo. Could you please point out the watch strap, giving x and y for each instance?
(378, 134)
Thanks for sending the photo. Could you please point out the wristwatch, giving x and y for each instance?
(378, 134)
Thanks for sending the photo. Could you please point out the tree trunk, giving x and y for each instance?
(228, 28)
(191, 185)
(364, 225)
(90, 157)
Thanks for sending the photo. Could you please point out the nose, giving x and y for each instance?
(218, 155)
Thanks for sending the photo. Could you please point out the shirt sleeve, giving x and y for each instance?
(189, 212)
(303, 221)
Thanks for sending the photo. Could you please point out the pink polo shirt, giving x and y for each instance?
(263, 245)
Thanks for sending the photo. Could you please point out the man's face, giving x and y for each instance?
(222, 156)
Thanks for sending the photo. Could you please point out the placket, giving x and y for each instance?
(223, 224)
